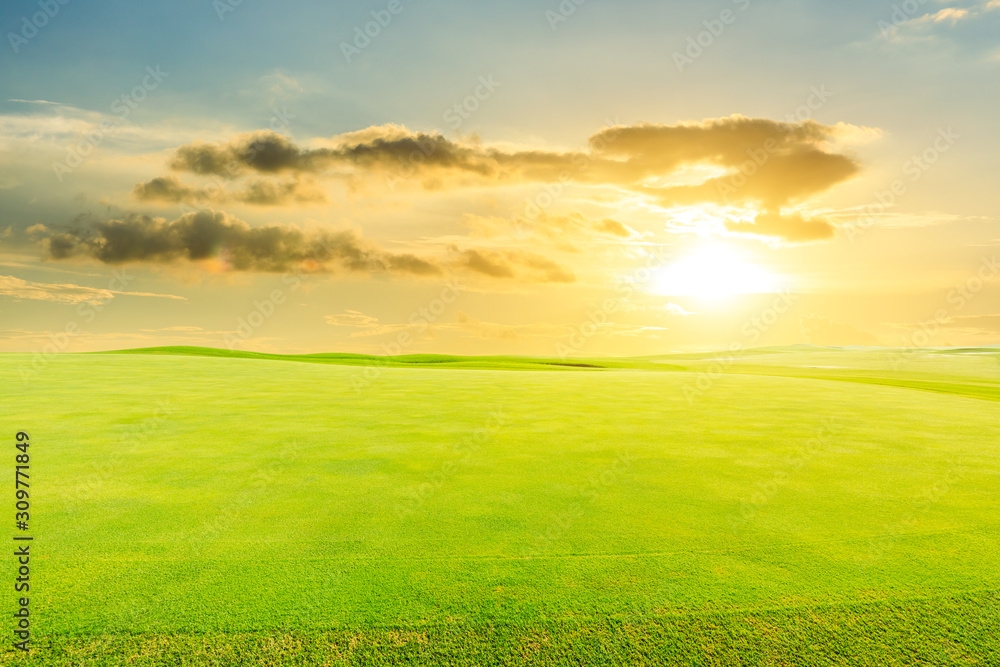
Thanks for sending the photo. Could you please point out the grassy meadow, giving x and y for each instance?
(784, 506)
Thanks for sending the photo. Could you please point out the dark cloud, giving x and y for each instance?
(787, 160)
(485, 262)
(233, 245)
(546, 268)
(269, 193)
(168, 189)
(211, 235)
(511, 264)
(372, 149)
(769, 164)
(266, 152)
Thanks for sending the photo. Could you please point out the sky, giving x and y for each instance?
(575, 178)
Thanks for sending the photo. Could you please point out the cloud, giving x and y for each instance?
(985, 324)
(511, 263)
(489, 330)
(232, 244)
(769, 163)
(382, 149)
(674, 309)
(352, 318)
(973, 329)
(278, 85)
(487, 262)
(623, 155)
(15, 99)
(168, 189)
(65, 293)
(820, 330)
(464, 325)
(221, 242)
(952, 14)
(565, 229)
(971, 28)
(793, 228)
(970, 325)
(181, 329)
(52, 126)
(765, 164)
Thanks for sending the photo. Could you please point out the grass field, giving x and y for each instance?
(790, 506)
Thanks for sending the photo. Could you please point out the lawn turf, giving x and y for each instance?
(625, 511)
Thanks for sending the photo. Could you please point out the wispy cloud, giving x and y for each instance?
(470, 327)
(66, 293)
(970, 25)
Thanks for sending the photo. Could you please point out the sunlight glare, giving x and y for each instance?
(713, 271)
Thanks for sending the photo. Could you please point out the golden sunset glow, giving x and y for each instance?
(548, 333)
(171, 203)
(714, 271)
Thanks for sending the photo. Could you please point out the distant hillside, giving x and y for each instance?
(415, 360)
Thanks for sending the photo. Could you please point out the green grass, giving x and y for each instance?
(412, 360)
(205, 507)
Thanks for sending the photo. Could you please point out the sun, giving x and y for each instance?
(713, 271)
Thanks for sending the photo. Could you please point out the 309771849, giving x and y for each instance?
(22, 506)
